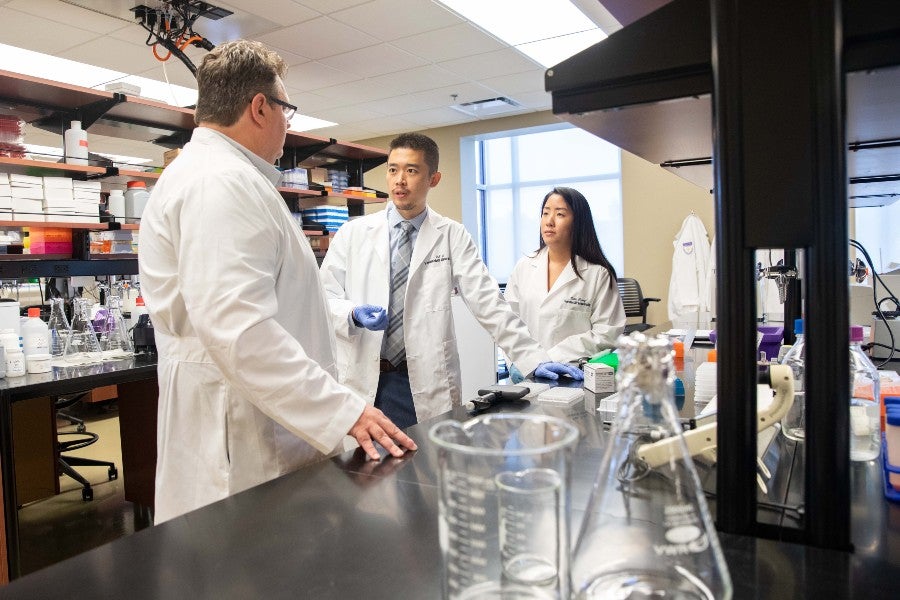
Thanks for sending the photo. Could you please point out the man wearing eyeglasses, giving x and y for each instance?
(246, 356)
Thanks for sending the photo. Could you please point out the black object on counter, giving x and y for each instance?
(144, 338)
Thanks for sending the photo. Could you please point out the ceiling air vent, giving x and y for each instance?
(490, 107)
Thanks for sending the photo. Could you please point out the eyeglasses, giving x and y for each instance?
(289, 109)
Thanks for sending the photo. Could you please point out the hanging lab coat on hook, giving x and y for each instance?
(690, 266)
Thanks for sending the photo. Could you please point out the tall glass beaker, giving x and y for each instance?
(504, 506)
(58, 326)
(647, 532)
(82, 344)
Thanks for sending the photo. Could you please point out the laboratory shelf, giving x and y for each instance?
(301, 192)
(27, 265)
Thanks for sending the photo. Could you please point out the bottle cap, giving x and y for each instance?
(136, 184)
(856, 333)
(893, 418)
(34, 312)
(139, 301)
(678, 346)
(711, 356)
(798, 326)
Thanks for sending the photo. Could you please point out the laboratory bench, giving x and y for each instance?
(348, 527)
(28, 450)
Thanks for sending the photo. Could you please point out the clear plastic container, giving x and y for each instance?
(865, 396)
(76, 143)
(793, 424)
(116, 204)
(15, 363)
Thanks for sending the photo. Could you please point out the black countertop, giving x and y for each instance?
(352, 528)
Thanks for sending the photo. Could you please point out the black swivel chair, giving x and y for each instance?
(635, 303)
(81, 439)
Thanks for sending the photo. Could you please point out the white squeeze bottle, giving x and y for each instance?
(76, 144)
(35, 334)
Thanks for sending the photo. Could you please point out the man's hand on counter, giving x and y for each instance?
(373, 426)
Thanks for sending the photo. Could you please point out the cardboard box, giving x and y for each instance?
(170, 155)
(599, 378)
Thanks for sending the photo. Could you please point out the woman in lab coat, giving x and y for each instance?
(566, 291)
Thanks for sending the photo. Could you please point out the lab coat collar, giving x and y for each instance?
(541, 262)
(206, 135)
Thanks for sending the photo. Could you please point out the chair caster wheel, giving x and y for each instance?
(87, 494)
(81, 428)
(113, 473)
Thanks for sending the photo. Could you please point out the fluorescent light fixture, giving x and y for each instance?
(63, 70)
(45, 152)
(487, 108)
(547, 31)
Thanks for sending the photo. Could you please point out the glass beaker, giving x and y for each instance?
(114, 337)
(58, 326)
(504, 505)
(647, 532)
(82, 344)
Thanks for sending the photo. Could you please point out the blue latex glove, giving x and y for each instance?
(373, 318)
(552, 370)
(515, 375)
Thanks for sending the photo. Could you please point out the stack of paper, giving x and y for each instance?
(5, 198)
(27, 193)
(87, 201)
(58, 202)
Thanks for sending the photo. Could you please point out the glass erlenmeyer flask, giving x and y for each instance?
(114, 337)
(58, 326)
(647, 532)
(82, 344)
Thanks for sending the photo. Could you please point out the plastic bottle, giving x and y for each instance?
(865, 397)
(15, 363)
(793, 424)
(136, 197)
(116, 204)
(76, 144)
(35, 334)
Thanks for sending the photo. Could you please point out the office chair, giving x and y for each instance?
(635, 304)
(82, 439)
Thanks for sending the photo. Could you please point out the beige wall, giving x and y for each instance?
(655, 202)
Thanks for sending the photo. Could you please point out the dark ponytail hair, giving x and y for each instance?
(584, 237)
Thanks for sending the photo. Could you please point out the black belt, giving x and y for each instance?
(386, 366)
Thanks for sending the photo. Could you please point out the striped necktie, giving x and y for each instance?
(394, 347)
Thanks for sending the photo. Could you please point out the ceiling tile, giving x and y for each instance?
(374, 60)
(175, 72)
(118, 55)
(308, 102)
(418, 79)
(536, 100)
(74, 16)
(448, 43)
(347, 133)
(18, 29)
(363, 90)
(314, 75)
(318, 38)
(436, 117)
(349, 114)
(283, 12)
(392, 19)
(492, 64)
(465, 92)
(397, 105)
(509, 85)
(387, 125)
(330, 6)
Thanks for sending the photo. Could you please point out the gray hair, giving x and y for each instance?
(230, 76)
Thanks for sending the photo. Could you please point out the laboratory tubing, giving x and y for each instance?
(865, 402)
(504, 505)
(76, 143)
(15, 362)
(793, 424)
(35, 334)
(647, 531)
(136, 197)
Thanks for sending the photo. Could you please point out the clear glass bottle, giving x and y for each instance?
(114, 337)
(793, 424)
(58, 326)
(82, 344)
(647, 532)
(865, 410)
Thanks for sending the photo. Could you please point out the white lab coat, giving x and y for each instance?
(577, 316)
(690, 265)
(247, 377)
(356, 271)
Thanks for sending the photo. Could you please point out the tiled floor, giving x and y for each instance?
(62, 526)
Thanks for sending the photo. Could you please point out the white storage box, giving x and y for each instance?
(599, 378)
